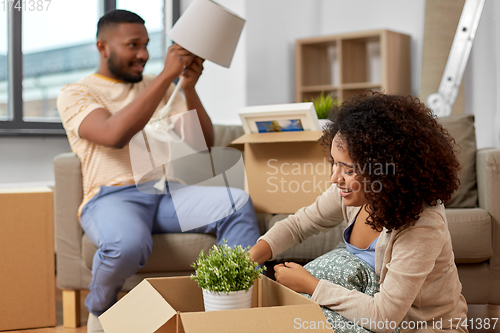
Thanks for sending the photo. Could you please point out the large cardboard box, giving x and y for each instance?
(175, 305)
(285, 170)
(27, 278)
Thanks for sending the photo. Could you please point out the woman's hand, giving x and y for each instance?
(295, 277)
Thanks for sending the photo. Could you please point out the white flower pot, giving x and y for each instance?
(215, 301)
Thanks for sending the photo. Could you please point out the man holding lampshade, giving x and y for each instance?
(101, 114)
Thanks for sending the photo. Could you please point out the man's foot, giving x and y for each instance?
(93, 324)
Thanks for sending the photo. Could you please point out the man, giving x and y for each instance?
(101, 114)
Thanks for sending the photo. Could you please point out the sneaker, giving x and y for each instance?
(93, 324)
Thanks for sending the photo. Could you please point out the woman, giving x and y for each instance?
(393, 168)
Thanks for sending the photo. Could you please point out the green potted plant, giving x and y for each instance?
(323, 104)
(226, 276)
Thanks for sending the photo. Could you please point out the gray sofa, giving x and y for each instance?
(474, 223)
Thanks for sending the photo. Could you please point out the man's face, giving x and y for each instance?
(128, 52)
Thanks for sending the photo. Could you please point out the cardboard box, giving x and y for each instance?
(285, 170)
(175, 305)
(27, 279)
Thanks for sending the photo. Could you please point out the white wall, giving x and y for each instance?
(338, 16)
(482, 80)
(29, 160)
(495, 13)
(272, 28)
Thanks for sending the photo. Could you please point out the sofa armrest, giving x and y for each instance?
(488, 185)
(68, 232)
(488, 180)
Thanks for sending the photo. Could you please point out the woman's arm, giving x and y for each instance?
(325, 213)
(260, 252)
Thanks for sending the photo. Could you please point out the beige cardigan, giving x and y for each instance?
(419, 283)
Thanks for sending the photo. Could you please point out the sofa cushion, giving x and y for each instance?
(225, 134)
(461, 128)
(171, 252)
(470, 231)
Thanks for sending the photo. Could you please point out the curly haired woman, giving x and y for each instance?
(393, 168)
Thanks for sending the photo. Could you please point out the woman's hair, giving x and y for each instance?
(404, 156)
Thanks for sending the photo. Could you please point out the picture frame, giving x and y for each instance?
(279, 118)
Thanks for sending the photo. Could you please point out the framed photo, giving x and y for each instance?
(279, 118)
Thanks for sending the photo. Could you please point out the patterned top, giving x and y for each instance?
(101, 165)
(345, 269)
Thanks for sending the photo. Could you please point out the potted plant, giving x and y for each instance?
(323, 104)
(226, 276)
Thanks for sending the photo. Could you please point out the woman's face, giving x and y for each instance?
(351, 185)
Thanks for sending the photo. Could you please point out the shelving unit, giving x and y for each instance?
(345, 65)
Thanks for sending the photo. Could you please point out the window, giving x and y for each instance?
(58, 49)
(45, 44)
(44, 38)
(153, 15)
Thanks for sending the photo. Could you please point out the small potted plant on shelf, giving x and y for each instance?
(323, 104)
(226, 276)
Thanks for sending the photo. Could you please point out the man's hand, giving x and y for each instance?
(295, 277)
(192, 74)
(177, 59)
(193, 102)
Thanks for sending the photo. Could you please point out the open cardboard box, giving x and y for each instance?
(285, 171)
(175, 305)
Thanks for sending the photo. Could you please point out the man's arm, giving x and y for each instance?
(191, 76)
(116, 130)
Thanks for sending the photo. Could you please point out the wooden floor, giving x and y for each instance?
(475, 311)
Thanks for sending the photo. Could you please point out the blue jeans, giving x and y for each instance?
(120, 221)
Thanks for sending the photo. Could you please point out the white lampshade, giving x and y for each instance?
(209, 31)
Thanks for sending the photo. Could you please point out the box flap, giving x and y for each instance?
(143, 310)
(278, 137)
(279, 319)
(275, 294)
(182, 293)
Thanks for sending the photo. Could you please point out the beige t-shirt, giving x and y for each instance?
(419, 282)
(101, 165)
